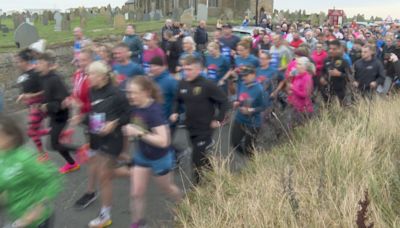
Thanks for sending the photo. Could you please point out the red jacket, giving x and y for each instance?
(319, 60)
(296, 43)
(81, 90)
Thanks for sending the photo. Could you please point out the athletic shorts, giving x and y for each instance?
(160, 167)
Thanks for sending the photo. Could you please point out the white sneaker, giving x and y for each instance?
(100, 222)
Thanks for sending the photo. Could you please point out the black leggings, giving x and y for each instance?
(200, 145)
(247, 134)
(56, 129)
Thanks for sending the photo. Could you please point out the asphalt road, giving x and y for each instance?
(158, 213)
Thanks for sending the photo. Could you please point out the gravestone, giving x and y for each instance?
(126, 15)
(176, 13)
(119, 21)
(229, 13)
(82, 22)
(157, 16)
(139, 15)
(45, 19)
(109, 18)
(50, 15)
(66, 23)
(248, 13)
(35, 17)
(25, 35)
(146, 17)
(58, 17)
(131, 15)
(4, 29)
(202, 12)
(187, 18)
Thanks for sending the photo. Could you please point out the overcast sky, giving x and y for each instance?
(381, 8)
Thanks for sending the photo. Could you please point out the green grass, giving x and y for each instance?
(97, 27)
(317, 179)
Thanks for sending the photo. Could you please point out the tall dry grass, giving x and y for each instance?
(321, 178)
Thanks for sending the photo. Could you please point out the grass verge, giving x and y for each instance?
(340, 170)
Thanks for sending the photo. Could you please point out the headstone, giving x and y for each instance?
(131, 16)
(176, 13)
(229, 13)
(4, 29)
(157, 16)
(202, 12)
(126, 15)
(248, 13)
(146, 17)
(66, 23)
(58, 17)
(45, 19)
(35, 17)
(139, 16)
(119, 21)
(109, 18)
(82, 22)
(50, 15)
(25, 35)
(187, 18)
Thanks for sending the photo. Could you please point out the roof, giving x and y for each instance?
(130, 2)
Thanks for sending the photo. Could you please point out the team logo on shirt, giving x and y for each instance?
(261, 78)
(338, 63)
(197, 90)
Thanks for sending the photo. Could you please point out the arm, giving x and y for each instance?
(158, 137)
(218, 97)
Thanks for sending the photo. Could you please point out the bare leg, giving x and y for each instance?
(92, 174)
(166, 183)
(106, 174)
(139, 181)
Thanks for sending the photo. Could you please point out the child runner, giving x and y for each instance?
(55, 93)
(32, 95)
(27, 185)
(155, 155)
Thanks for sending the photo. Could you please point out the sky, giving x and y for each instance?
(381, 8)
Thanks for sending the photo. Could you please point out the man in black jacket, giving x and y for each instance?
(368, 71)
(201, 37)
(205, 105)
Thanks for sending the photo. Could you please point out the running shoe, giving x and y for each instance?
(85, 201)
(43, 157)
(68, 168)
(100, 222)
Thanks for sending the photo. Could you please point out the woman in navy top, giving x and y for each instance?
(154, 156)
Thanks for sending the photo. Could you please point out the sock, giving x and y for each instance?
(106, 212)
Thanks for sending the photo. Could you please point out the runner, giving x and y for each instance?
(268, 77)
(335, 74)
(228, 42)
(154, 156)
(173, 51)
(134, 42)
(32, 95)
(368, 72)
(124, 68)
(55, 93)
(216, 65)
(152, 50)
(200, 98)
(300, 92)
(29, 187)
(250, 104)
(109, 112)
(318, 56)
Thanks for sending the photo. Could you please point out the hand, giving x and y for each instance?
(221, 82)
(245, 110)
(43, 107)
(67, 102)
(274, 94)
(20, 98)
(355, 84)
(323, 81)
(334, 73)
(236, 104)
(393, 58)
(215, 124)
(174, 117)
(108, 128)
(233, 52)
(373, 85)
(131, 130)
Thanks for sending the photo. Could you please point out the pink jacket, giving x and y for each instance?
(319, 61)
(300, 93)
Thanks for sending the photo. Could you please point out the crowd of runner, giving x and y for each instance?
(143, 89)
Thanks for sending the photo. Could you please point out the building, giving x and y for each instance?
(336, 17)
(216, 8)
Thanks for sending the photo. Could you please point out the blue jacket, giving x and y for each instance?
(168, 86)
(251, 96)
